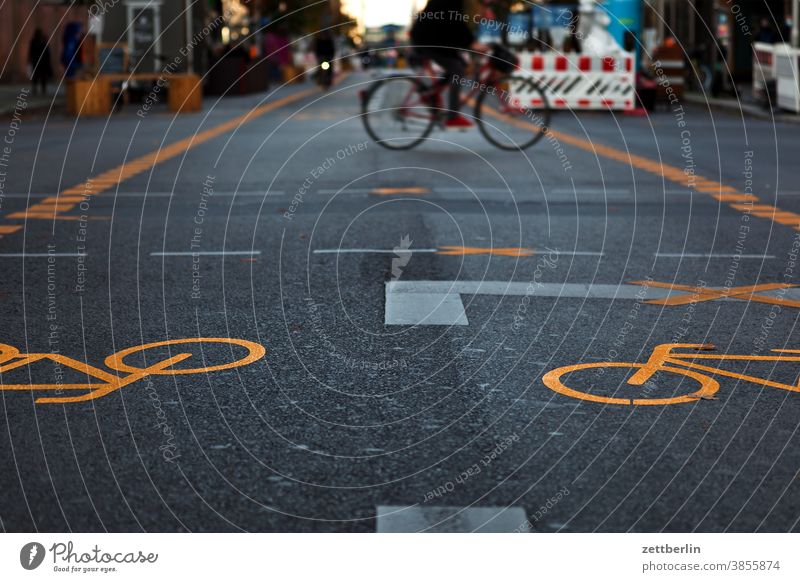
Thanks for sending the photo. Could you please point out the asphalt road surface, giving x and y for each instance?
(378, 326)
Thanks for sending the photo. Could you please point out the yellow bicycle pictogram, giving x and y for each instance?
(664, 359)
(101, 383)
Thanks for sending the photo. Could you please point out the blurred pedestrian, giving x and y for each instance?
(71, 51)
(766, 32)
(41, 68)
(324, 50)
(277, 52)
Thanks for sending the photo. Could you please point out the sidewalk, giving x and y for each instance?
(744, 106)
(10, 94)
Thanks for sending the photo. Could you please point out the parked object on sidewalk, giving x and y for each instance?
(764, 76)
(668, 57)
(234, 73)
(787, 61)
(39, 60)
(646, 91)
(89, 97)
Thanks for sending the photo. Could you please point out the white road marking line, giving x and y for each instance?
(456, 190)
(439, 302)
(588, 191)
(424, 309)
(709, 256)
(40, 255)
(205, 253)
(442, 519)
(346, 190)
(413, 250)
(370, 251)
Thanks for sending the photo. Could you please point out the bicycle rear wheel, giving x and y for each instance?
(553, 380)
(514, 113)
(396, 112)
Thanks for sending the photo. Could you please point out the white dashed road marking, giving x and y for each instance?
(206, 253)
(399, 519)
(38, 255)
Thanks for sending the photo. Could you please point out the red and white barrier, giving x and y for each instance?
(575, 81)
(764, 63)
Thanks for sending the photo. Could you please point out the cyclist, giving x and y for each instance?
(440, 33)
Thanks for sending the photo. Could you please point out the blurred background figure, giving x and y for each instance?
(71, 50)
(324, 51)
(41, 68)
(278, 52)
(766, 32)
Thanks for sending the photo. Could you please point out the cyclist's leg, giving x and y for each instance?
(455, 68)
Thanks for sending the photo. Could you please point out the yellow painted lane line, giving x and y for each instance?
(717, 190)
(9, 229)
(396, 191)
(739, 201)
(53, 208)
(506, 252)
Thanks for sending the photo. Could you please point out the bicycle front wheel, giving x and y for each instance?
(553, 380)
(397, 112)
(513, 114)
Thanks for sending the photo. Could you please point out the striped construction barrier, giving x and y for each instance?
(575, 81)
(764, 63)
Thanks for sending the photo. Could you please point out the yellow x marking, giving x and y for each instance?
(701, 294)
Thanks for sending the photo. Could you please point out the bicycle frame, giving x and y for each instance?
(663, 355)
(486, 76)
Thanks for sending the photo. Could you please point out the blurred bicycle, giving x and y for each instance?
(510, 108)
